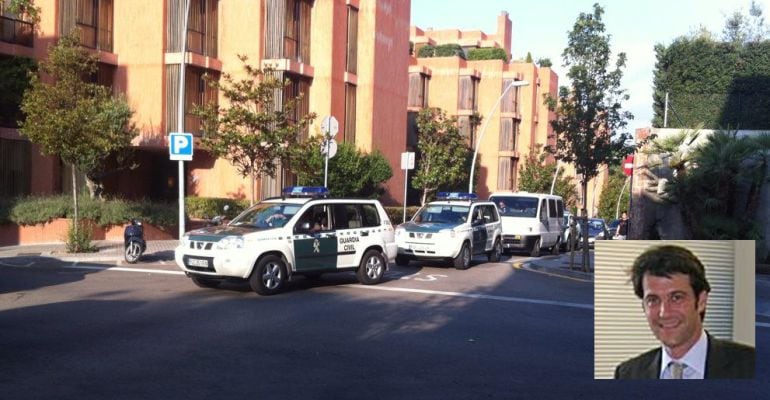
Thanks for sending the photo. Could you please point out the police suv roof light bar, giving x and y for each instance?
(456, 196)
(305, 191)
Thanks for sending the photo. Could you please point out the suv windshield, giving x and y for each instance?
(266, 215)
(442, 214)
(514, 206)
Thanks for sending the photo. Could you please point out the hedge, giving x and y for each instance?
(443, 50)
(488, 53)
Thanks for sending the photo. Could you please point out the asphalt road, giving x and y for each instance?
(83, 331)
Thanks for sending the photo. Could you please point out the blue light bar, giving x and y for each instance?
(305, 191)
(456, 196)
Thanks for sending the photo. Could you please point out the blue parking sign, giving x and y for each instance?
(180, 146)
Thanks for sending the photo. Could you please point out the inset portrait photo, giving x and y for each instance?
(674, 309)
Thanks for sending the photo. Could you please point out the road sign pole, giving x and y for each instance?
(180, 115)
(326, 163)
(406, 179)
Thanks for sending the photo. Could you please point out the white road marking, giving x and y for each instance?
(477, 296)
(17, 265)
(763, 325)
(124, 269)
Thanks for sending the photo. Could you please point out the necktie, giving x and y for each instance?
(676, 370)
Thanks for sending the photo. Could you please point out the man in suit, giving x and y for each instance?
(671, 282)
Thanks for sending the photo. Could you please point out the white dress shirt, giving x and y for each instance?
(694, 359)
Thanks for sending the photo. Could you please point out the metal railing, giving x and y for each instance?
(16, 31)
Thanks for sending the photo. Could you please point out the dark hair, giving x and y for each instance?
(666, 260)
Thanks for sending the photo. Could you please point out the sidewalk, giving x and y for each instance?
(108, 251)
(559, 265)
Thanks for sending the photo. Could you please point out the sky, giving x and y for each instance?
(540, 27)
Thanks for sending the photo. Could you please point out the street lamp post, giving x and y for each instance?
(484, 127)
(180, 116)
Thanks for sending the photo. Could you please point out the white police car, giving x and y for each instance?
(301, 233)
(455, 227)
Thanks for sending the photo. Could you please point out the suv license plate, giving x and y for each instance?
(197, 262)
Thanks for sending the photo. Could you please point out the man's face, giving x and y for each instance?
(673, 311)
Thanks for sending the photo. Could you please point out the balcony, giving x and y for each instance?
(16, 32)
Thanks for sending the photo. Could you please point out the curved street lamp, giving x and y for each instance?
(484, 127)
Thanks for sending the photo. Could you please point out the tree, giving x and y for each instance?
(536, 176)
(252, 133)
(352, 173)
(443, 153)
(741, 29)
(589, 116)
(544, 62)
(720, 185)
(81, 122)
(528, 59)
(26, 9)
(609, 207)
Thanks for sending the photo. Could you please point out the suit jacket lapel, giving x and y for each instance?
(652, 370)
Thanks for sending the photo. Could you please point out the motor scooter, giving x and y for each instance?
(133, 241)
(218, 219)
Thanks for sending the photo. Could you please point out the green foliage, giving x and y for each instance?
(443, 50)
(528, 59)
(352, 173)
(79, 239)
(544, 62)
(608, 201)
(712, 84)
(396, 214)
(720, 189)
(80, 122)
(209, 207)
(14, 81)
(41, 209)
(536, 176)
(589, 120)
(443, 156)
(26, 9)
(488, 53)
(253, 134)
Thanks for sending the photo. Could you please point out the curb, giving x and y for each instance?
(558, 271)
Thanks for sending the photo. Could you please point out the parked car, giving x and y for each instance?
(531, 221)
(303, 232)
(597, 230)
(453, 228)
(612, 226)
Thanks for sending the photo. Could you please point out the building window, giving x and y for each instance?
(350, 113)
(14, 167)
(510, 102)
(352, 59)
(197, 93)
(202, 27)
(298, 88)
(94, 22)
(13, 28)
(509, 132)
(297, 31)
(506, 173)
(418, 90)
(104, 75)
(469, 93)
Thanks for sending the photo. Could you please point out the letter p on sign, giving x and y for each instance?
(180, 146)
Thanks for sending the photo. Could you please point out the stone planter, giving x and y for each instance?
(56, 232)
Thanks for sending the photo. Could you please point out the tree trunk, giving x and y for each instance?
(75, 198)
(584, 221)
(253, 193)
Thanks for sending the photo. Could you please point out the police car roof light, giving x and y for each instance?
(456, 196)
(305, 191)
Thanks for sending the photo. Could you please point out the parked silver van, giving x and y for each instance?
(531, 221)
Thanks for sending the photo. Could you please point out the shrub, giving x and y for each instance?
(443, 50)
(207, 207)
(488, 53)
(396, 214)
(41, 209)
(80, 241)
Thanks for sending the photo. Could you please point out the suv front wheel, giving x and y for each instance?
(269, 276)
